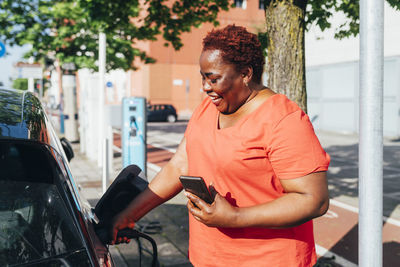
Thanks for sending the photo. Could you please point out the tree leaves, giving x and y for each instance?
(319, 12)
(67, 30)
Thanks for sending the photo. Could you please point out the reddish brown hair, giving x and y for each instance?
(238, 47)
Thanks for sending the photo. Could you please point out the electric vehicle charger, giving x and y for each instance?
(129, 183)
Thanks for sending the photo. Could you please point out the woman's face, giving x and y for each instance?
(222, 82)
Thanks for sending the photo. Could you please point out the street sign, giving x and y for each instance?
(2, 49)
(69, 66)
(26, 70)
(109, 84)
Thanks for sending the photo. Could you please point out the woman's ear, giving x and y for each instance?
(247, 74)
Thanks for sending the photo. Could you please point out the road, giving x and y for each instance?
(336, 233)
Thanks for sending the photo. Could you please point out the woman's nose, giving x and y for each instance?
(206, 86)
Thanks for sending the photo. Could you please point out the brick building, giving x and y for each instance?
(175, 78)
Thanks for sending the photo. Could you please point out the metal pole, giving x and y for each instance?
(371, 132)
(110, 152)
(31, 85)
(41, 89)
(106, 171)
(187, 93)
(102, 71)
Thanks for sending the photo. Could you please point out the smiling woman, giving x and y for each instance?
(258, 152)
(231, 70)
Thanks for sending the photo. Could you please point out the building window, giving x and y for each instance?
(261, 4)
(241, 3)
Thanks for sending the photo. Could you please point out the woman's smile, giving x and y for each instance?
(216, 99)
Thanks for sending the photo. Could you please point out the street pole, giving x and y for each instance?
(187, 90)
(102, 71)
(31, 85)
(371, 133)
(31, 80)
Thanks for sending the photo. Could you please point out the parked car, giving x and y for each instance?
(161, 112)
(43, 219)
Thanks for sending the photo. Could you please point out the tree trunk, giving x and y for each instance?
(286, 59)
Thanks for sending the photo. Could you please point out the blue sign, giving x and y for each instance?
(109, 84)
(2, 49)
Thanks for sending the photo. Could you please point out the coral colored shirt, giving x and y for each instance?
(245, 162)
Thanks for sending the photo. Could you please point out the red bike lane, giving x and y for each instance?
(337, 232)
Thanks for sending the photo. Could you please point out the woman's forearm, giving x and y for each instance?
(163, 187)
(306, 198)
(287, 211)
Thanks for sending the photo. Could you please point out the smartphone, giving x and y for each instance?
(196, 186)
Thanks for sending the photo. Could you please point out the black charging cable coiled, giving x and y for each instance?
(133, 233)
(153, 227)
(142, 232)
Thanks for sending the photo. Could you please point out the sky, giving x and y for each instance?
(15, 54)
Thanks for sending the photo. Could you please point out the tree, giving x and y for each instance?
(20, 83)
(67, 30)
(286, 22)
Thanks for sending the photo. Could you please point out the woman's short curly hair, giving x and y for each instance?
(238, 47)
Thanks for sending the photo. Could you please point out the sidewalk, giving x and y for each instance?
(172, 240)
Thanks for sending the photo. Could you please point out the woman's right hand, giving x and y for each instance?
(121, 221)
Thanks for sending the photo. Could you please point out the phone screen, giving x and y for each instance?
(197, 186)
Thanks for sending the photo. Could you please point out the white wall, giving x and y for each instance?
(333, 96)
(322, 48)
(333, 77)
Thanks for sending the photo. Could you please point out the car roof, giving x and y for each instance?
(23, 117)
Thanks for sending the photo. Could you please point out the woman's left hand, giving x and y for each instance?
(218, 214)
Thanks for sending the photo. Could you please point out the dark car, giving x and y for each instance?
(43, 219)
(161, 112)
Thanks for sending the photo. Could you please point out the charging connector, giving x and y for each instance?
(130, 182)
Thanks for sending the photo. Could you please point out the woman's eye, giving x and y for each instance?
(213, 80)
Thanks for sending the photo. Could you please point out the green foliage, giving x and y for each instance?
(263, 38)
(20, 83)
(319, 12)
(67, 30)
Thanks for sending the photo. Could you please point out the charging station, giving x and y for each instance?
(134, 130)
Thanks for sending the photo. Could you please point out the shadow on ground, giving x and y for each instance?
(343, 174)
(343, 182)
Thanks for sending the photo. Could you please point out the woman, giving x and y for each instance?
(260, 153)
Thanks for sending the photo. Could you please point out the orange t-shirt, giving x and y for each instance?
(245, 163)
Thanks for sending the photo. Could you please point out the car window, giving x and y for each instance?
(35, 223)
(26, 161)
